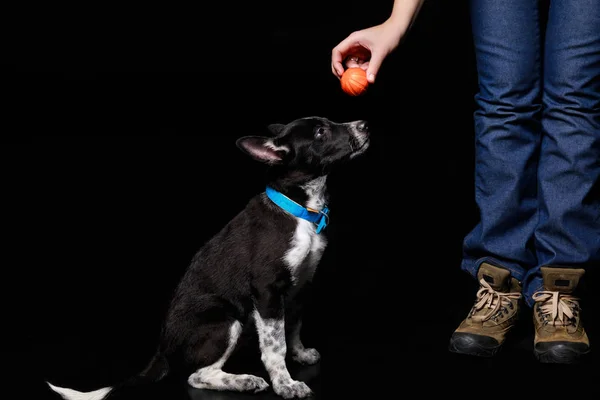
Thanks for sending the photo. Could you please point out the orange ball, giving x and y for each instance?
(354, 81)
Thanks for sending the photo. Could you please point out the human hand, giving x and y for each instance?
(366, 49)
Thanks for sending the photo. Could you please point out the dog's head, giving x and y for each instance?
(308, 147)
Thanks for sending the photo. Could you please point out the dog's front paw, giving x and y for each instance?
(289, 389)
(306, 356)
(251, 383)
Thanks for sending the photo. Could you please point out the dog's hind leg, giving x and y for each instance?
(214, 378)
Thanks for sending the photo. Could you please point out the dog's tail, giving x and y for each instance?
(156, 370)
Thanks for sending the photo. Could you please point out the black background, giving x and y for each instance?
(120, 161)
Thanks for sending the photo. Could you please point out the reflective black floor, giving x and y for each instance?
(388, 369)
(386, 345)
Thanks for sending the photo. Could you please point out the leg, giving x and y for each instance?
(568, 232)
(213, 377)
(507, 134)
(300, 354)
(270, 324)
(293, 321)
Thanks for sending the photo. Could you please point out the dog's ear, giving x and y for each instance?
(262, 149)
(275, 129)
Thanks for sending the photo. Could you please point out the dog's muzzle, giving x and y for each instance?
(360, 137)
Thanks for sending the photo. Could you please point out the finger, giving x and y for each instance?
(334, 72)
(358, 55)
(340, 51)
(353, 62)
(336, 62)
(374, 65)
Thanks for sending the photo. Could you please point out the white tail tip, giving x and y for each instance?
(70, 394)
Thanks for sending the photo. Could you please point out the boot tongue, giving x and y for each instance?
(563, 280)
(497, 278)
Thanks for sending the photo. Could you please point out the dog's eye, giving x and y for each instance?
(320, 133)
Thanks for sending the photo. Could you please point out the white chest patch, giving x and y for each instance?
(306, 246)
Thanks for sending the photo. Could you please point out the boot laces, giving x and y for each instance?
(490, 299)
(556, 308)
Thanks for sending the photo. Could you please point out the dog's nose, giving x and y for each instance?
(362, 126)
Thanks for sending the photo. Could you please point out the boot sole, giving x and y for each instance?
(473, 345)
(560, 353)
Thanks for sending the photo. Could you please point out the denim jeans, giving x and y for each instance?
(537, 138)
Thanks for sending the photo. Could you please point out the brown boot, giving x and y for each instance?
(559, 334)
(494, 314)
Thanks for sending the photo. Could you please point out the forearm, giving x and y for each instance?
(403, 14)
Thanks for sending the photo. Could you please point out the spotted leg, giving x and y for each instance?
(270, 325)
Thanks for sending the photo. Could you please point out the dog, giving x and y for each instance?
(256, 270)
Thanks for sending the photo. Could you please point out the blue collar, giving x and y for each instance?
(321, 218)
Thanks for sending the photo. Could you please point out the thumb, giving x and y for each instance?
(374, 65)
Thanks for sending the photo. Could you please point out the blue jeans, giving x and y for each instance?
(537, 138)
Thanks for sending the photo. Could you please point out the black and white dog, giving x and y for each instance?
(254, 270)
